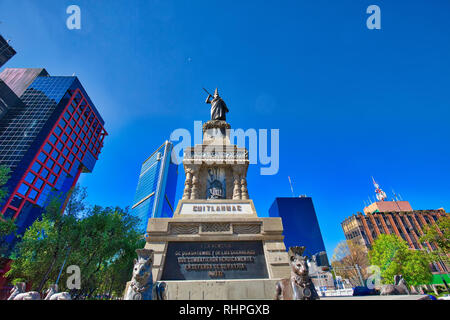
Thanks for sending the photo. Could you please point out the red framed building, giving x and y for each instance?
(47, 140)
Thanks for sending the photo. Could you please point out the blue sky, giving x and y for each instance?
(349, 102)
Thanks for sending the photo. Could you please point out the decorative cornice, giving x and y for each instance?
(219, 124)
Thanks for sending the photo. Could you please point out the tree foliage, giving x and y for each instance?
(393, 256)
(101, 241)
(439, 234)
(348, 257)
(4, 177)
(7, 226)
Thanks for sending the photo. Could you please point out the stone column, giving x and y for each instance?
(244, 190)
(187, 184)
(236, 185)
(194, 189)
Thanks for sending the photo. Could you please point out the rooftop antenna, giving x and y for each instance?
(395, 195)
(370, 201)
(380, 194)
(292, 189)
(400, 197)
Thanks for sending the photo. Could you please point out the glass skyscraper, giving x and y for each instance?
(155, 192)
(6, 51)
(301, 227)
(48, 138)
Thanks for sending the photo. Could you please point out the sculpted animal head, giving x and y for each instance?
(299, 264)
(399, 280)
(18, 288)
(143, 265)
(52, 289)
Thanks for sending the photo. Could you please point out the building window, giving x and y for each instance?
(9, 213)
(36, 167)
(52, 179)
(33, 194)
(39, 183)
(16, 201)
(48, 148)
(42, 157)
(50, 163)
(52, 139)
(23, 189)
(57, 169)
(44, 173)
(30, 177)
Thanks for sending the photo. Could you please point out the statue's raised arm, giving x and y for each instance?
(218, 107)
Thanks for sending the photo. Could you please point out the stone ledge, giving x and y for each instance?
(219, 124)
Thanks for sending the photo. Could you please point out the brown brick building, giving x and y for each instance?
(393, 217)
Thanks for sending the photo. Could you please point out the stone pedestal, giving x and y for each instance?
(201, 228)
(216, 246)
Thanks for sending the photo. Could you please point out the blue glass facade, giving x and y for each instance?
(156, 189)
(47, 140)
(6, 51)
(301, 227)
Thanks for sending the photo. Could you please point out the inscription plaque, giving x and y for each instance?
(215, 260)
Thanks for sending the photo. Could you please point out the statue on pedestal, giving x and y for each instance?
(141, 285)
(218, 106)
(300, 285)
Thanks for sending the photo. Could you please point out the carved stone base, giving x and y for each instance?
(170, 238)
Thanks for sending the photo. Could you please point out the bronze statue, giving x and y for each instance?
(218, 107)
(299, 286)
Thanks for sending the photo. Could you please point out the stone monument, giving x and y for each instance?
(216, 246)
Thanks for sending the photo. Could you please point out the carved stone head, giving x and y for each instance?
(143, 265)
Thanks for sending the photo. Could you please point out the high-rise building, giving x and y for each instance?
(6, 51)
(155, 192)
(301, 227)
(48, 137)
(393, 217)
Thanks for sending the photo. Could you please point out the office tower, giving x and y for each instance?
(48, 138)
(6, 51)
(155, 192)
(301, 227)
(392, 217)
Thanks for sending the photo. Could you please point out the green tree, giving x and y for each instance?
(105, 250)
(7, 226)
(350, 261)
(101, 241)
(393, 256)
(4, 177)
(43, 246)
(76, 205)
(439, 234)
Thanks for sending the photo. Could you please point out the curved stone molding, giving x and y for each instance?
(183, 229)
(216, 227)
(246, 228)
(220, 124)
